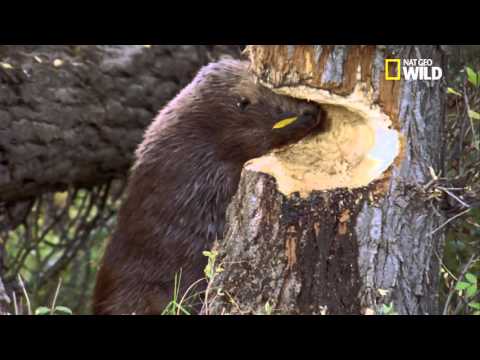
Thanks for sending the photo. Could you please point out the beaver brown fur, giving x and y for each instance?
(186, 171)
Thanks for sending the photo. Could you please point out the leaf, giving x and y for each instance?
(268, 308)
(462, 285)
(210, 254)
(474, 115)
(472, 279)
(388, 309)
(284, 122)
(472, 76)
(63, 309)
(474, 305)
(208, 271)
(58, 62)
(42, 310)
(6, 65)
(452, 91)
(471, 290)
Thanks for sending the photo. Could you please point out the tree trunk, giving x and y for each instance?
(356, 242)
(73, 114)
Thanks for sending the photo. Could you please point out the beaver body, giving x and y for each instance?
(186, 171)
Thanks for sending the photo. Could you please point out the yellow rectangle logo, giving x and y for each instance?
(387, 69)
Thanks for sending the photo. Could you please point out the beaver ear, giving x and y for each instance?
(243, 103)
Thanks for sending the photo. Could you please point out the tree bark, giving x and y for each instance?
(73, 114)
(341, 250)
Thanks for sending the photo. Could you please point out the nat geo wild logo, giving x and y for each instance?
(412, 69)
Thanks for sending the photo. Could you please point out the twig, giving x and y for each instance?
(460, 277)
(52, 310)
(184, 297)
(15, 305)
(474, 136)
(22, 285)
(448, 221)
(454, 196)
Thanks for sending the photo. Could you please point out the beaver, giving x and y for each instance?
(186, 171)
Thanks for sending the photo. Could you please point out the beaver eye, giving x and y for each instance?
(243, 103)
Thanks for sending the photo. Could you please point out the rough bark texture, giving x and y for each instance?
(341, 251)
(73, 114)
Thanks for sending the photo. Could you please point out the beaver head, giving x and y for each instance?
(226, 107)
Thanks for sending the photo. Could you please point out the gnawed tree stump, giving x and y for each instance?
(340, 223)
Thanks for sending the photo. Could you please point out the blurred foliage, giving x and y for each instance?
(62, 238)
(461, 259)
